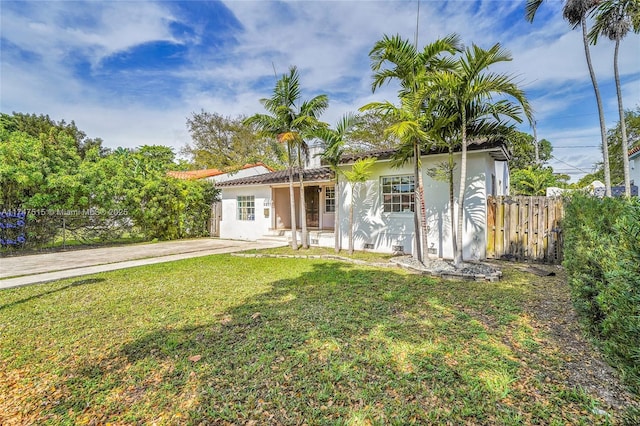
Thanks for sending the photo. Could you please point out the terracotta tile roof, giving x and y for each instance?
(205, 173)
(281, 176)
(633, 151)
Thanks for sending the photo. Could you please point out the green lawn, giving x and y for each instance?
(223, 340)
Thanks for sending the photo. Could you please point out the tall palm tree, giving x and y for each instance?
(470, 89)
(614, 19)
(576, 13)
(396, 59)
(290, 124)
(334, 141)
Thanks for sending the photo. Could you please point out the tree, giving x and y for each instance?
(394, 58)
(467, 92)
(334, 147)
(614, 138)
(369, 133)
(36, 125)
(534, 180)
(576, 13)
(360, 172)
(522, 150)
(290, 123)
(614, 19)
(228, 143)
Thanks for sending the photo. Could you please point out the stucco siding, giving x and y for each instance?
(234, 228)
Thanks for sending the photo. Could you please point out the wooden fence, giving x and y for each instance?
(524, 228)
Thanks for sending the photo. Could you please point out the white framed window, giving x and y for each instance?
(329, 199)
(246, 207)
(398, 194)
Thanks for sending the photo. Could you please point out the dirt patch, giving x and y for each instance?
(583, 365)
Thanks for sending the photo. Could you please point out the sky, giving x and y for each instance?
(132, 72)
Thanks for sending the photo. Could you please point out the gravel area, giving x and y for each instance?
(446, 268)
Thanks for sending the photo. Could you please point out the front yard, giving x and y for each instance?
(228, 340)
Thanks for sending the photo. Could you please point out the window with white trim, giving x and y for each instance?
(246, 207)
(398, 194)
(329, 199)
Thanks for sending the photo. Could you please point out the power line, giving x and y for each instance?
(570, 165)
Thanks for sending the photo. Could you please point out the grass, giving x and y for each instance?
(222, 340)
(368, 256)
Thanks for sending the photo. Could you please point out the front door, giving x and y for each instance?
(312, 201)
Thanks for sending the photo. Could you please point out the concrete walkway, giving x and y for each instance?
(39, 268)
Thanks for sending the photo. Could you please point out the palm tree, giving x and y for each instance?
(614, 19)
(468, 91)
(360, 172)
(334, 140)
(394, 58)
(290, 124)
(576, 13)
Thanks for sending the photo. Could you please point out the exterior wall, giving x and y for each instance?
(231, 227)
(634, 169)
(388, 230)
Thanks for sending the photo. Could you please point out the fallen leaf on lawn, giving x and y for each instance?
(195, 358)
(256, 315)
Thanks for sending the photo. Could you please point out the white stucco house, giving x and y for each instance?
(257, 206)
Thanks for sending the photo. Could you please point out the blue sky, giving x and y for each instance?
(131, 72)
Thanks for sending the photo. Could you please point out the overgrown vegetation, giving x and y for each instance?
(602, 257)
(227, 340)
(54, 182)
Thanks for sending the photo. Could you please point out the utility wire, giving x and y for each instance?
(570, 165)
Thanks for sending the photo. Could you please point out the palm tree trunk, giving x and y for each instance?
(303, 204)
(454, 242)
(336, 216)
(417, 219)
(603, 128)
(292, 204)
(623, 126)
(463, 183)
(353, 187)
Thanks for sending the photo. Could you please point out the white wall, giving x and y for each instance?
(634, 169)
(386, 230)
(231, 227)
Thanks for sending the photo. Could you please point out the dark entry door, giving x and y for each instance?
(312, 201)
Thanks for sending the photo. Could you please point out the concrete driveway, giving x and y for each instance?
(39, 268)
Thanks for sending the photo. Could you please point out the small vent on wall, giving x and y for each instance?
(368, 246)
(433, 250)
(397, 249)
(314, 241)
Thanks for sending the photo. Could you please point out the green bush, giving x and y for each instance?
(602, 258)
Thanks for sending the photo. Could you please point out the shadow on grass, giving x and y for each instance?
(46, 293)
(336, 344)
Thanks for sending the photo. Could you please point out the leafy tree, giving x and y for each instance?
(614, 19)
(522, 150)
(576, 13)
(290, 122)
(334, 147)
(359, 173)
(394, 58)
(614, 138)
(369, 133)
(534, 180)
(36, 125)
(228, 143)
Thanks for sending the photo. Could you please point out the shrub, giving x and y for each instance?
(602, 258)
